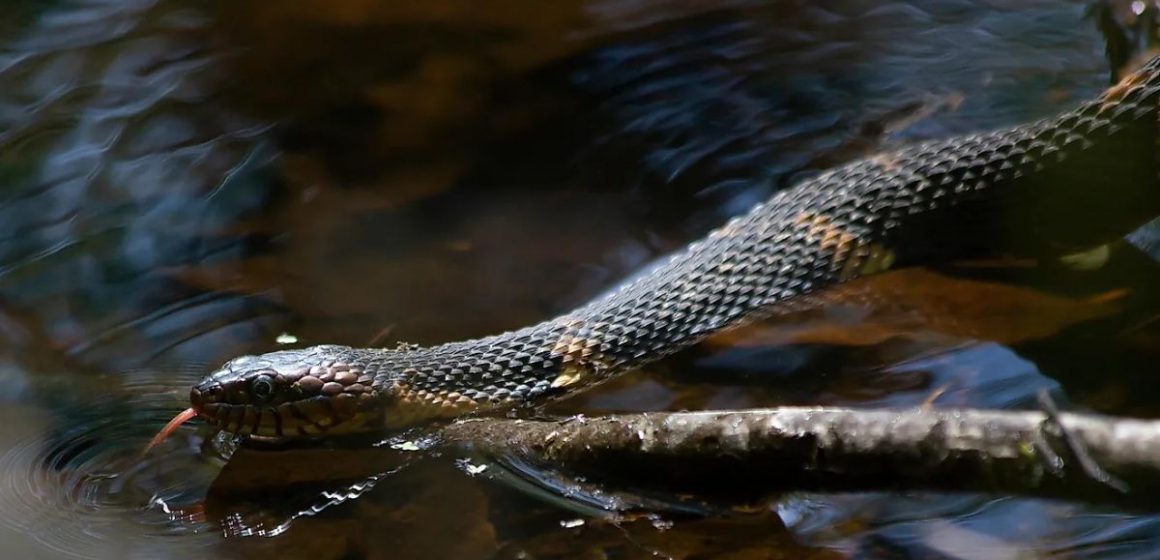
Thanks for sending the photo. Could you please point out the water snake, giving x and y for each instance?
(1049, 187)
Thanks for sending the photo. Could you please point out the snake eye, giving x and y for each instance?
(262, 387)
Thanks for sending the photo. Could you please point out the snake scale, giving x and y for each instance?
(1050, 187)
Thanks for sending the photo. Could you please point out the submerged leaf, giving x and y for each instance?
(922, 303)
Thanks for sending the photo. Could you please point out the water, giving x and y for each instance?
(184, 181)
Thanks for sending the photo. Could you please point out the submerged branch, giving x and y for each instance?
(752, 453)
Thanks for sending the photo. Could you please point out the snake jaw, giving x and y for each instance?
(291, 393)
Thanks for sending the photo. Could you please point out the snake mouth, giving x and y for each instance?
(311, 417)
(302, 417)
(314, 416)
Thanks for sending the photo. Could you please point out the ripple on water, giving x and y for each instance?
(73, 480)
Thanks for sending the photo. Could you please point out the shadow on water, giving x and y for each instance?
(183, 181)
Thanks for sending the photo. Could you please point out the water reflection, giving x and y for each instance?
(73, 481)
(119, 169)
(182, 181)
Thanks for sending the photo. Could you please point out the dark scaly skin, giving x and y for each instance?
(1050, 187)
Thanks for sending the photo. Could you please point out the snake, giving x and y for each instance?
(1051, 187)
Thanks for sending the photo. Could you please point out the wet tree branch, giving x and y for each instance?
(751, 453)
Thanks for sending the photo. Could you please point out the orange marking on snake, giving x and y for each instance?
(1116, 93)
(854, 256)
(887, 162)
(580, 344)
(828, 234)
(419, 404)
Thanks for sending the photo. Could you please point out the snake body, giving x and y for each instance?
(1053, 186)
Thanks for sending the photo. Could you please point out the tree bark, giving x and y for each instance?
(750, 454)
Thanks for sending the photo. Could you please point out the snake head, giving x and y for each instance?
(290, 393)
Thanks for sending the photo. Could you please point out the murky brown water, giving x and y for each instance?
(183, 181)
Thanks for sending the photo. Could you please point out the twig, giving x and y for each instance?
(752, 453)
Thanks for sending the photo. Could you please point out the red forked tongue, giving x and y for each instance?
(181, 418)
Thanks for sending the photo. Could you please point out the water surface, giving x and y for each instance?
(185, 181)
